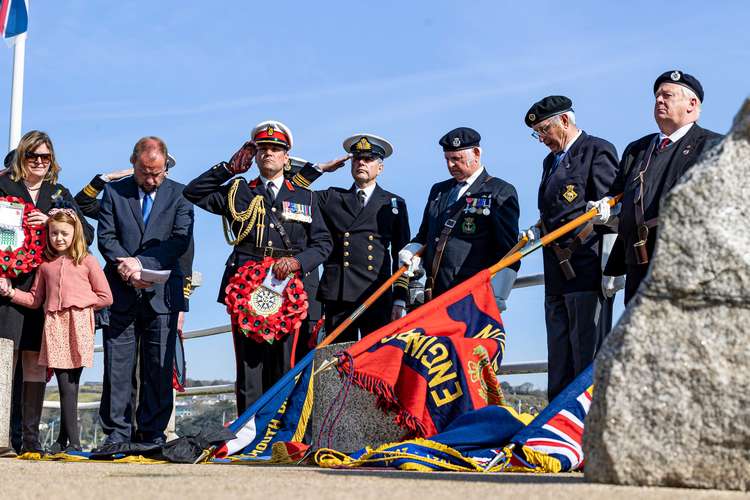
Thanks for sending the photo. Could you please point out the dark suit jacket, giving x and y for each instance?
(684, 155)
(366, 242)
(477, 241)
(585, 173)
(91, 205)
(159, 245)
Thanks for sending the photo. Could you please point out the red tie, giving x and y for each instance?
(664, 143)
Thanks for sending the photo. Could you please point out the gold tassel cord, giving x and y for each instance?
(254, 216)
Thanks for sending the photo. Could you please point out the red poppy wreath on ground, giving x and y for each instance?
(260, 313)
(29, 255)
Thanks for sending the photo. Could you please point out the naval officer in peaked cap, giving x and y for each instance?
(649, 168)
(293, 233)
(368, 225)
(578, 168)
(469, 223)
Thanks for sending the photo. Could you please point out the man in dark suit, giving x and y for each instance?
(650, 167)
(289, 228)
(144, 225)
(579, 168)
(368, 225)
(470, 221)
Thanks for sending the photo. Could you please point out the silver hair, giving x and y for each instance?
(689, 94)
(571, 117)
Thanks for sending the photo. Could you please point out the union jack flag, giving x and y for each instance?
(553, 442)
(14, 18)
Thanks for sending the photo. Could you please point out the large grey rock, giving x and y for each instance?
(672, 381)
(6, 390)
(359, 424)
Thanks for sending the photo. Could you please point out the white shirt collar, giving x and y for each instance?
(570, 142)
(142, 194)
(470, 181)
(368, 191)
(677, 134)
(277, 183)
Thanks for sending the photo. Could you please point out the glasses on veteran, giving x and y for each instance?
(45, 157)
(537, 134)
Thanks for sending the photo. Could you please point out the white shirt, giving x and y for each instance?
(151, 195)
(677, 134)
(368, 191)
(468, 182)
(570, 142)
(277, 183)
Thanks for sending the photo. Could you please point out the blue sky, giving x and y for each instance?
(201, 74)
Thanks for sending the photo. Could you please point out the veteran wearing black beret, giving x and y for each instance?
(470, 221)
(649, 169)
(368, 225)
(579, 168)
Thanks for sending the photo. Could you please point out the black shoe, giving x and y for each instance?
(56, 448)
(71, 448)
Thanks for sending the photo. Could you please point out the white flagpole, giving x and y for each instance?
(16, 93)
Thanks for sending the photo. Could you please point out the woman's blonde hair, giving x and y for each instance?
(78, 250)
(29, 142)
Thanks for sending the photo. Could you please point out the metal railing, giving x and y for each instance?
(517, 368)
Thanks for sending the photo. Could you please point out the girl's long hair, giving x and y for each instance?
(78, 250)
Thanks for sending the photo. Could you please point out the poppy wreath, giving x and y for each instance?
(253, 324)
(29, 255)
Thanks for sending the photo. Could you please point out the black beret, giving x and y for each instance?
(460, 138)
(549, 106)
(8, 161)
(679, 78)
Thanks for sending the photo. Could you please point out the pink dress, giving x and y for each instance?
(70, 294)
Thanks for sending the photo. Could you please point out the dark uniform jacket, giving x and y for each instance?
(361, 259)
(477, 241)
(683, 155)
(20, 323)
(585, 173)
(311, 241)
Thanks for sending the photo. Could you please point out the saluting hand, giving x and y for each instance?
(285, 266)
(242, 159)
(117, 174)
(333, 165)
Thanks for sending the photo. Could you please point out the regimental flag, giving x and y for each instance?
(279, 416)
(436, 363)
(14, 18)
(553, 442)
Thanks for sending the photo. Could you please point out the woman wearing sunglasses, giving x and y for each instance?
(32, 176)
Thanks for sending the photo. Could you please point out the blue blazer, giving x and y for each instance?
(158, 245)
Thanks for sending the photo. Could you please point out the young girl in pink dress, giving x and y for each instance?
(71, 285)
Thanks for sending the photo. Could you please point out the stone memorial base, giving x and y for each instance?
(359, 424)
(6, 390)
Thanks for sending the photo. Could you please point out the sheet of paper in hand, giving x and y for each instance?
(155, 276)
(11, 225)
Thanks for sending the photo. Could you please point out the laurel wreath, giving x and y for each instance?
(28, 256)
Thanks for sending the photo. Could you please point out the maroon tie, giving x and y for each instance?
(664, 143)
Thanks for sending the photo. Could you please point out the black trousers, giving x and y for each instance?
(374, 317)
(260, 364)
(152, 336)
(576, 326)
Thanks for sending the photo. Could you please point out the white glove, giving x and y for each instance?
(611, 285)
(502, 283)
(602, 206)
(531, 233)
(406, 257)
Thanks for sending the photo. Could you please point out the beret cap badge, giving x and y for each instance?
(532, 117)
(456, 142)
(675, 76)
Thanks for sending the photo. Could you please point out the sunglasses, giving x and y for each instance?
(45, 157)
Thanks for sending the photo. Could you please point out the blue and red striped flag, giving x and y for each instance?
(14, 18)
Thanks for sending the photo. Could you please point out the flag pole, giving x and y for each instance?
(514, 255)
(16, 93)
(367, 303)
